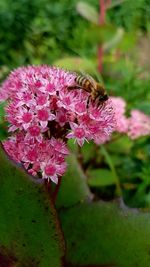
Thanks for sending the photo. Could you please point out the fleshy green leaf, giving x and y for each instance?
(74, 187)
(100, 177)
(29, 231)
(88, 12)
(103, 234)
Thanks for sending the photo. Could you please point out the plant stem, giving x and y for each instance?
(55, 193)
(112, 168)
(100, 57)
(48, 186)
(101, 22)
(103, 5)
(102, 12)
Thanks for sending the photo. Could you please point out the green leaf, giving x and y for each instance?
(116, 39)
(116, 159)
(121, 146)
(113, 170)
(76, 64)
(144, 106)
(2, 112)
(3, 123)
(88, 12)
(3, 131)
(128, 42)
(29, 231)
(104, 234)
(88, 152)
(100, 34)
(74, 187)
(115, 3)
(100, 177)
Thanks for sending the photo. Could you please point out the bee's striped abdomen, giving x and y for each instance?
(80, 80)
(83, 82)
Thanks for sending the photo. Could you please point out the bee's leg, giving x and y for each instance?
(49, 134)
(73, 87)
(87, 105)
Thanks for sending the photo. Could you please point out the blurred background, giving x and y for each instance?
(67, 33)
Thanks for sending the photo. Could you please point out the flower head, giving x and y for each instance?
(43, 113)
(139, 124)
(121, 120)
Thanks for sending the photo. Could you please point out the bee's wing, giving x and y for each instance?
(91, 79)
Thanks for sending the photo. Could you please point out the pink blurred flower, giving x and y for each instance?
(43, 113)
(120, 109)
(139, 124)
(135, 126)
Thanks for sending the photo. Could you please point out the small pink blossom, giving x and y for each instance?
(44, 116)
(139, 124)
(27, 117)
(50, 172)
(80, 108)
(24, 119)
(78, 132)
(34, 131)
(42, 99)
(51, 89)
(59, 146)
(61, 117)
(43, 113)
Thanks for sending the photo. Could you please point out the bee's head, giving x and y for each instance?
(101, 93)
(103, 97)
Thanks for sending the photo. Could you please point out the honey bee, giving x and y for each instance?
(96, 90)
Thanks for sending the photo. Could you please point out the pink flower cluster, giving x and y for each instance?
(43, 114)
(138, 124)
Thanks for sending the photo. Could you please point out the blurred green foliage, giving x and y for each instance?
(36, 32)
(66, 33)
(131, 14)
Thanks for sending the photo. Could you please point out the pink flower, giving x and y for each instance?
(78, 132)
(42, 99)
(62, 117)
(121, 120)
(44, 116)
(50, 172)
(43, 113)
(59, 146)
(99, 122)
(139, 124)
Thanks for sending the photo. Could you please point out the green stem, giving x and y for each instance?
(55, 193)
(112, 168)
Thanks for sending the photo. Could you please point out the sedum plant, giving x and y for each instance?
(43, 117)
